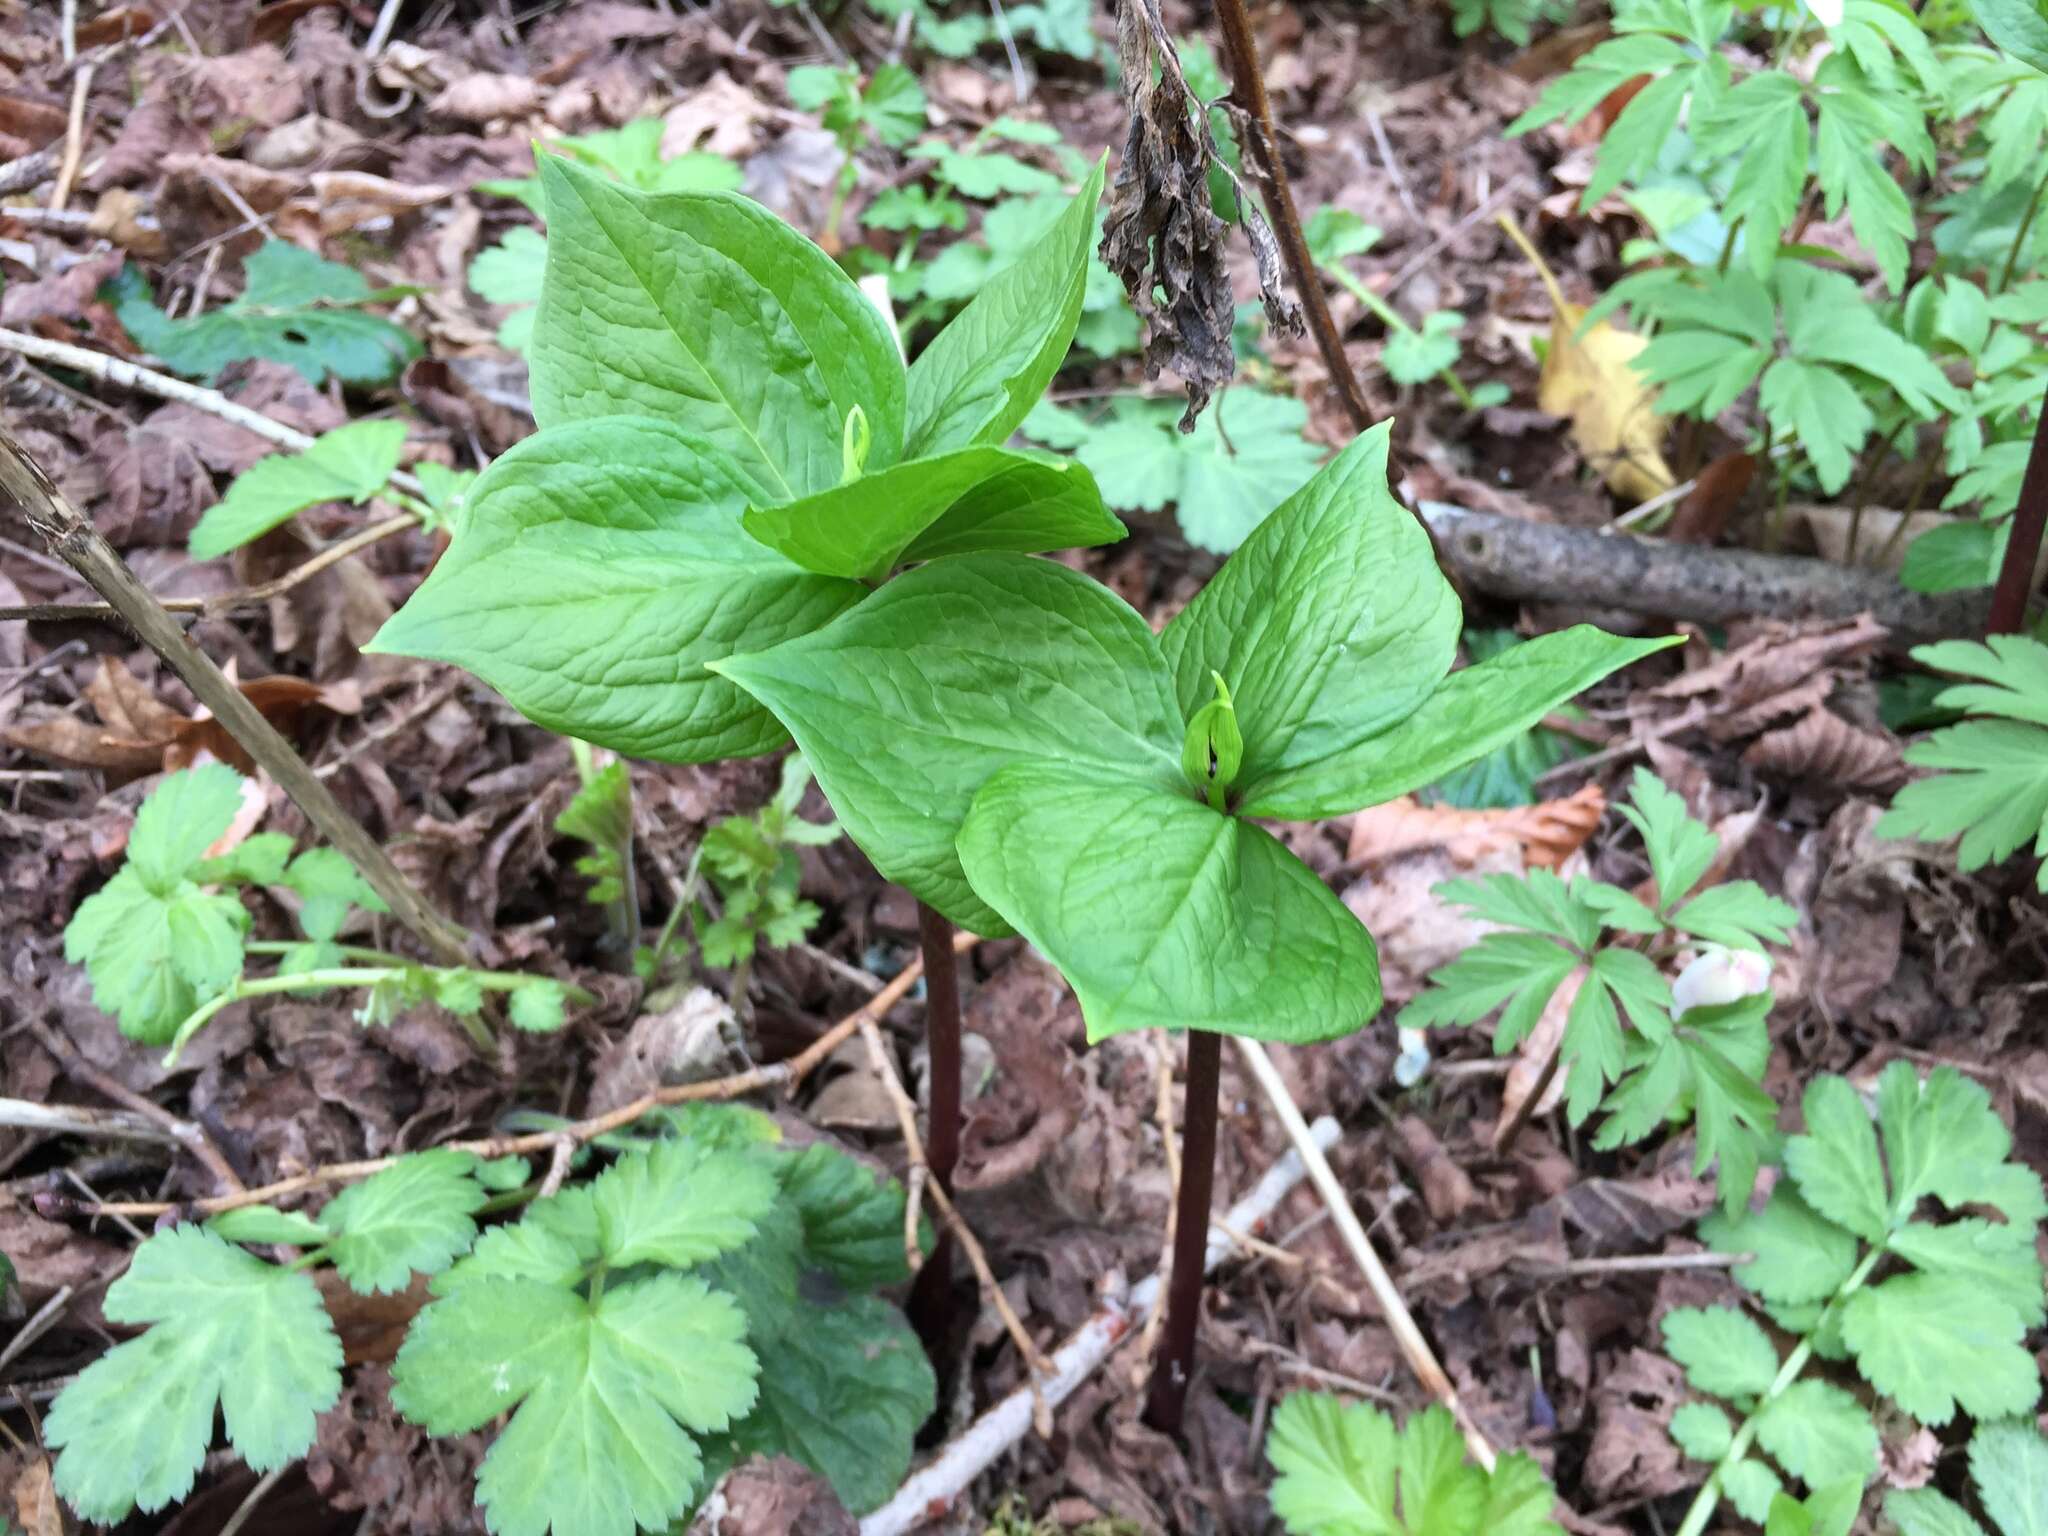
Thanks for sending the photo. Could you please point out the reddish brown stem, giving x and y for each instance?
(1175, 1367)
(2023, 548)
(931, 1299)
(1248, 85)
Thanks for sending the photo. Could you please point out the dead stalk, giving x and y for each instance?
(1248, 86)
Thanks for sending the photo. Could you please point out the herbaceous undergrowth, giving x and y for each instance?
(1704, 1054)
(1903, 1249)
(707, 1297)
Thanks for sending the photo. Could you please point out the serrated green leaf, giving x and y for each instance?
(267, 1224)
(184, 815)
(295, 308)
(2017, 26)
(351, 464)
(152, 958)
(1702, 1431)
(1738, 913)
(605, 1397)
(1933, 1343)
(1836, 1160)
(984, 372)
(1763, 120)
(1723, 1351)
(1517, 971)
(1163, 913)
(554, 1243)
(1343, 1469)
(1941, 1137)
(705, 311)
(852, 1217)
(1928, 1512)
(412, 1218)
(678, 1204)
(330, 886)
(1680, 849)
(1800, 1256)
(599, 567)
(257, 860)
(1334, 233)
(1414, 357)
(844, 1394)
(1538, 901)
(905, 706)
(961, 502)
(1751, 1486)
(1820, 1434)
(133, 1428)
(2009, 1465)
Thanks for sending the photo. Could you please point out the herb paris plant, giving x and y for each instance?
(1012, 743)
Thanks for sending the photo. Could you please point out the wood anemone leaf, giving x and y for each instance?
(598, 567)
(705, 310)
(1164, 914)
(952, 503)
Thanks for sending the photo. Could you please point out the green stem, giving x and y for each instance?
(2019, 239)
(1393, 322)
(1709, 1496)
(1727, 249)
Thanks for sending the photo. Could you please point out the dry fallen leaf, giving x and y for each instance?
(35, 1501)
(139, 734)
(1587, 379)
(1824, 747)
(1545, 835)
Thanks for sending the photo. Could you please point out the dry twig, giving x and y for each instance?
(1414, 1348)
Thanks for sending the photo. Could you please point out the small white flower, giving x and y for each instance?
(1413, 1061)
(1721, 975)
(1827, 12)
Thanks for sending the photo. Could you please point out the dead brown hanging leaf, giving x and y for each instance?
(1161, 234)
(1588, 379)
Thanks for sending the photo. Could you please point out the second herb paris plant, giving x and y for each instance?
(1011, 742)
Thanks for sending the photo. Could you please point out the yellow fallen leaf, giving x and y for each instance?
(1588, 380)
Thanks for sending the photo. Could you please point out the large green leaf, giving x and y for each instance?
(905, 706)
(707, 311)
(1331, 623)
(982, 374)
(961, 502)
(1933, 1343)
(2020, 27)
(134, 1426)
(598, 567)
(1165, 914)
(1472, 711)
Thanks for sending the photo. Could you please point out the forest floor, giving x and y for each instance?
(1536, 1265)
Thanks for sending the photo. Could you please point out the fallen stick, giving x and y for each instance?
(1543, 562)
(930, 1491)
(1399, 1320)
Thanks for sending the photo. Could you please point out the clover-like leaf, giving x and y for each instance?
(599, 567)
(706, 311)
(1163, 913)
(230, 1331)
(607, 1397)
(413, 1217)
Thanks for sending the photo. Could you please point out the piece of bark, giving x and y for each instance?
(1543, 562)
